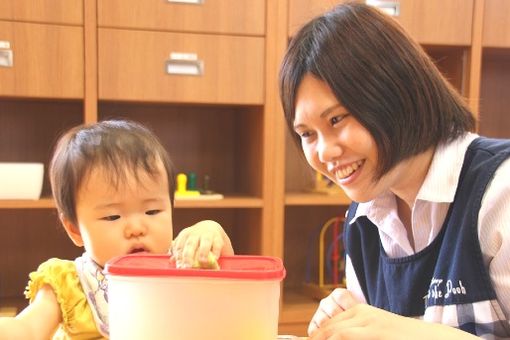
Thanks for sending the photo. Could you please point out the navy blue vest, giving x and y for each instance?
(448, 271)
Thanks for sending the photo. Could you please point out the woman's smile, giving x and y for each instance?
(345, 172)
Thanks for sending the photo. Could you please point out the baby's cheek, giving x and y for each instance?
(164, 240)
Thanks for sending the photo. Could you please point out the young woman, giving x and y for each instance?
(427, 236)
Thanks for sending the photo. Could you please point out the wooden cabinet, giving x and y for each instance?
(204, 78)
(170, 51)
(46, 60)
(437, 22)
(495, 74)
(496, 28)
(41, 95)
(43, 11)
(431, 22)
(494, 120)
(300, 11)
(180, 67)
(211, 16)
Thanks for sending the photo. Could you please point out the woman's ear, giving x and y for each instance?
(72, 230)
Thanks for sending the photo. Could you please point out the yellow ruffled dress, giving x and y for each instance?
(77, 319)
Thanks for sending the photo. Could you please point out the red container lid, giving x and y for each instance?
(235, 267)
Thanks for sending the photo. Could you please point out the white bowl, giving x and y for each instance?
(21, 180)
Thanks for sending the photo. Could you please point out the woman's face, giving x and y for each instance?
(335, 143)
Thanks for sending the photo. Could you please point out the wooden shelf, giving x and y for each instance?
(296, 312)
(303, 198)
(43, 203)
(297, 307)
(227, 202)
(12, 306)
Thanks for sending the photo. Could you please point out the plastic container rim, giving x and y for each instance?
(273, 269)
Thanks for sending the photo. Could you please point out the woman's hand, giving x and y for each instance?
(338, 301)
(351, 320)
(196, 242)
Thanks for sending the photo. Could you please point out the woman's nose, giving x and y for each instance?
(328, 148)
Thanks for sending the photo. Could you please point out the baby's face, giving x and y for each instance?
(134, 217)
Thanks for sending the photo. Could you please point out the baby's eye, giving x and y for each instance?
(111, 218)
(152, 212)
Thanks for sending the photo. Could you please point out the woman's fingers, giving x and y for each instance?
(336, 302)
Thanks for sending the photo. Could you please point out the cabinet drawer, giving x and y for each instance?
(212, 16)
(438, 22)
(496, 23)
(134, 65)
(44, 11)
(433, 22)
(47, 60)
(301, 11)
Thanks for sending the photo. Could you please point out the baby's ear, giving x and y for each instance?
(72, 230)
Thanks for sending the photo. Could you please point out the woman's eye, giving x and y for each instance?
(152, 212)
(111, 218)
(336, 119)
(304, 134)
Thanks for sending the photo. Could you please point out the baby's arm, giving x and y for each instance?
(197, 241)
(37, 321)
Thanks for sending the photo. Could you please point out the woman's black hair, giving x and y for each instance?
(381, 76)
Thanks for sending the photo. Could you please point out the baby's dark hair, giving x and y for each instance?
(118, 146)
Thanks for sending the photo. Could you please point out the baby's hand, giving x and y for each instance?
(198, 242)
(212, 263)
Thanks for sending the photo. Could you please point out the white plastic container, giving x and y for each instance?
(21, 180)
(150, 299)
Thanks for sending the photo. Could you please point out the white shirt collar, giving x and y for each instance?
(439, 185)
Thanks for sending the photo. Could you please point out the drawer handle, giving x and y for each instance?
(184, 64)
(390, 7)
(194, 2)
(6, 54)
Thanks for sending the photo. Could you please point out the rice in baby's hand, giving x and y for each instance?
(212, 263)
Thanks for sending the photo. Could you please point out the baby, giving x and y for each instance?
(113, 185)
